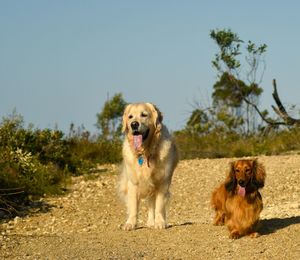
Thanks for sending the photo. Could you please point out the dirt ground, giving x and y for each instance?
(87, 223)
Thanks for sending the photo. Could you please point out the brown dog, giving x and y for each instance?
(237, 201)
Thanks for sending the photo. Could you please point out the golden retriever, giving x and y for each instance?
(149, 160)
(237, 201)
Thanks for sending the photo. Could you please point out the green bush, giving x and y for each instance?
(220, 144)
(36, 161)
(49, 146)
(40, 161)
(19, 169)
(100, 151)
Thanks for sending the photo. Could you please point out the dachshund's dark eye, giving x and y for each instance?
(248, 170)
(144, 114)
(237, 170)
(130, 116)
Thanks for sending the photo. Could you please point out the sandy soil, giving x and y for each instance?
(87, 223)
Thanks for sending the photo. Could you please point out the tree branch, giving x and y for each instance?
(270, 122)
(265, 119)
(280, 109)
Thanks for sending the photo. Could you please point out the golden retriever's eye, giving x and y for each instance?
(144, 114)
(237, 170)
(130, 116)
(248, 170)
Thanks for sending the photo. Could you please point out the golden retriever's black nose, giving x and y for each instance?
(242, 183)
(135, 125)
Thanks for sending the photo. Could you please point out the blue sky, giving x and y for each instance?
(59, 60)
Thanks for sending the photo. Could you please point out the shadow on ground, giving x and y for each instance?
(181, 224)
(268, 226)
(21, 207)
(169, 226)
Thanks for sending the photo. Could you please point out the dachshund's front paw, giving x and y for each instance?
(234, 235)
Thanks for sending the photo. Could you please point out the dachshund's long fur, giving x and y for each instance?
(237, 201)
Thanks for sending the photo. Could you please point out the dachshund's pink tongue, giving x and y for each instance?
(241, 191)
(137, 141)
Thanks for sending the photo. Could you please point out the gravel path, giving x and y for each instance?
(87, 223)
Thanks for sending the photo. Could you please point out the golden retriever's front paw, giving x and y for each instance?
(160, 225)
(129, 226)
(150, 223)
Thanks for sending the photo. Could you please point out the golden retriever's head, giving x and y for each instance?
(245, 176)
(141, 121)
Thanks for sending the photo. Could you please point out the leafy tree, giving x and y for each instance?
(205, 121)
(109, 120)
(199, 122)
(236, 93)
(232, 92)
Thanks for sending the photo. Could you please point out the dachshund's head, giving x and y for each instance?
(245, 176)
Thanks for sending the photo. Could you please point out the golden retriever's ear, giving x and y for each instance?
(125, 118)
(259, 174)
(230, 181)
(157, 116)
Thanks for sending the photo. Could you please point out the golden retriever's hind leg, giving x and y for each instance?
(160, 211)
(151, 212)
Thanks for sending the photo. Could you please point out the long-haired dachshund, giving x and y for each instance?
(237, 201)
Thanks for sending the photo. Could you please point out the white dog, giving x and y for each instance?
(150, 157)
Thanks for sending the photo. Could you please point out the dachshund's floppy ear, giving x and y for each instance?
(230, 181)
(125, 118)
(259, 174)
(157, 117)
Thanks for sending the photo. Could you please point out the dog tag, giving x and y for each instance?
(141, 160)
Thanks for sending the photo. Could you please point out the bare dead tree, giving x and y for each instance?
(285, 118)
(280, 109)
